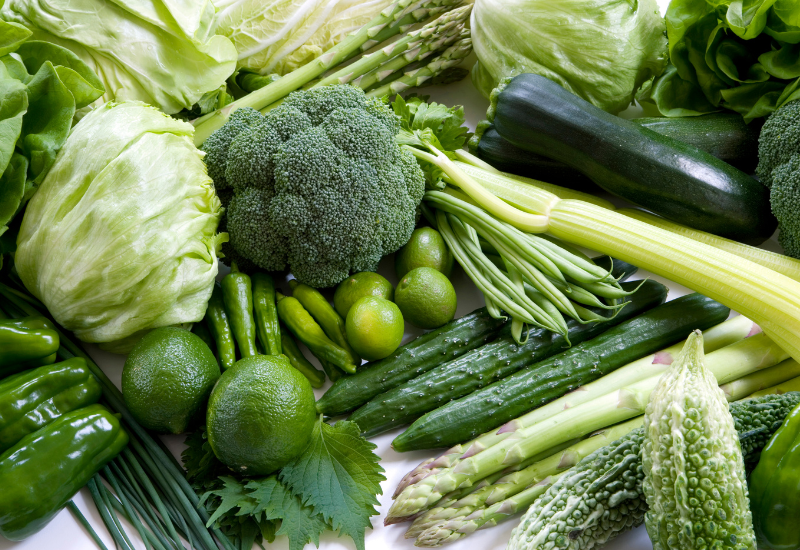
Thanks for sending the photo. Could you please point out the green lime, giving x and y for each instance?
(359, 285)
(426, 248)
(260, 414)
(426, 297)
(374, 327)
(167, 379)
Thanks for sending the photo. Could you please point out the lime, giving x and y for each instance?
(374, 327)
(426, 248)
(359, 285)
(260, 414)
(167, 379)
(426, 297)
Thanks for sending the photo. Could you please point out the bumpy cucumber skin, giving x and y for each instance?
(486, 365)
(492, 406)
(605, 490)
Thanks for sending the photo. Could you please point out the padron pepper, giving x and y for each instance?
(299, 361)
(26, 343)
(220, 327)
(775, 488)
(31, 400)
(305, 328)
(237, 295)
(44, 470)
(266, 312)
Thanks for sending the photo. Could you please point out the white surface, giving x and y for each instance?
(64, 533)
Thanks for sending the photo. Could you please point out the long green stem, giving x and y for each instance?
(623, 403)
(784, 387)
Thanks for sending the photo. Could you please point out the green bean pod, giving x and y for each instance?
(220, 327)
(299, 361)
(324, 314)
(266, 311)
(305, 328)
(237, 296)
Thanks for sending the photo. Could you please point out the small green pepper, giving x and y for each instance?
(775, 488)
(32, 399)
(220, 327)
(26, 343)
(305, 328)
(45, 469)
(299, 361)
(267, 327)
(324, 314)
(201, 330)
(237, 295)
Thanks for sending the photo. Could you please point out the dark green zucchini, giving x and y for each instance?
(537, 384)
(426, 352)
(724, 135)
(487, 364)
(662, 174)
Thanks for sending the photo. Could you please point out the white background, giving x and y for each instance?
(64, 533)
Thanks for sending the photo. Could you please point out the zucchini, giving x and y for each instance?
(489, 363)
(659, 173)
(426, 352)
(541, 382)
(724, 135)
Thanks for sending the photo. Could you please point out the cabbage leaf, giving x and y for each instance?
(121, 236)
(600, 50)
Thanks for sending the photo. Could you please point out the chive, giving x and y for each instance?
(86, 525)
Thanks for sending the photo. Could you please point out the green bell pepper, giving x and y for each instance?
(26, 343)
(775, 488)
(33, 399)
(44, 470)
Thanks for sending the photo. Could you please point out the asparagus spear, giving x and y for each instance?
(628, 401)
(388, 23)
(514, 493)
(715, 338)
(783, 387)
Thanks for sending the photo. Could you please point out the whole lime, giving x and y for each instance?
(359, 285)
(374, 327)
(426, 297)
(425, 248)
(167, 379)
(260, 415)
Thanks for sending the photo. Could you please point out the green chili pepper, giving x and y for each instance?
(45, 469)
(238, 297)
(219, 325)
(331, 370)
(305, 328)
(324, 314)
(32, 399)
(267, 327)
(299, 361)
(201, 330)
(775, 488)
(26, 343)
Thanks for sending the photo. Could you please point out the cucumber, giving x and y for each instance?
(426, 352)
(489, 363)
(659, 173)
(537, 384)
(724, 135)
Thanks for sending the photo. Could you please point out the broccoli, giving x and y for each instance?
(779, 169)
(317, 185)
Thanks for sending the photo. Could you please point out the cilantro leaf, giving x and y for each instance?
(232, 495)
(203, 468)
(300, 523)
(339, 476)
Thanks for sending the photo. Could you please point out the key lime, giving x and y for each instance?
(426, 298)
(260, 415)
(426, 248)
(167, 379)
(359, 285)
(374, 327)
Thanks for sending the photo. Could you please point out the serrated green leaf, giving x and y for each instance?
(232, 495)
(339, 476)
(445, 123)
(300, 523)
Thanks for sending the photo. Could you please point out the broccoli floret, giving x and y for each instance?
(217, 145)
(778, 141)
(320, 186)
(785, 201)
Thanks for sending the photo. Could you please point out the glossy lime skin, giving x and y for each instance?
(425, 248)
(365, 283)
(374, 327)
(426, 298)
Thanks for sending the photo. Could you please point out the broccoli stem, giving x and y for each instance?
(392, 21)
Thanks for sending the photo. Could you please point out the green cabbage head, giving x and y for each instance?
(121, 236)
(600, 50)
